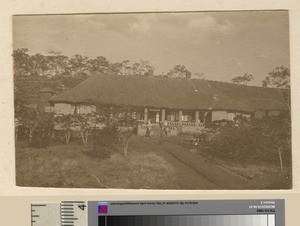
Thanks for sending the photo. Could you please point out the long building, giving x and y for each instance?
(180, 100)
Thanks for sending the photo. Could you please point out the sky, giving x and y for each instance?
(222, 45)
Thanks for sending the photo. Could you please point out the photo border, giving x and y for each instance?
(7, 153)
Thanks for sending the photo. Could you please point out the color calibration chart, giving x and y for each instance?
(210, 220)
(160, 213)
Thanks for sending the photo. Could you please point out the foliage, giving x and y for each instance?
(245, 79)
(200, 75)
(21, 62)
(83, 124)
(178, 71)
(142, 68)
(104, 139)
(27, 117)
(278, 77)
(37, 127)
(101, 129)
(65, 123)
(59, 72)
(259, 141)
(240, 120)
(43, 131)
(59, 66)
(116, 122)
(99, 65)
(32, 72)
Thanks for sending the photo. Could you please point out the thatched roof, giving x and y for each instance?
(157, 92)
(47, 90)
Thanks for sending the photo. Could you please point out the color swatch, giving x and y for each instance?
(102, 207)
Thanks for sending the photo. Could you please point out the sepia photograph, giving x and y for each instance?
(168, 100)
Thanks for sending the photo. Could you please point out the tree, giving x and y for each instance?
(79, 65)
(115, 68)
(58, 65)
(21, 62)
(85, 124)
(26, 81)
(112, 124)
(39, 64)
(30, 119)
(126, 125)
(39, 126)
(99, 65)
(178, 71)
(142, 68)
(245, 79)
(276, 134)
(125, 133)
(163, 75)
(199, 75)
(66, 124)
(43, 132)
(278, 77)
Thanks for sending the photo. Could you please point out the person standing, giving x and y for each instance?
(148, 128)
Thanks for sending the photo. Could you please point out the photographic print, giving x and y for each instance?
(173, 100)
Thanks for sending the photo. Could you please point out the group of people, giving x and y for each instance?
(164, 129)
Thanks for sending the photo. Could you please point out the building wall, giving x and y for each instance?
(263, 113)
(224, 115)
(64, 109)
(219, 115)
(231, 116)
(86, 109)
(172, 130)
(173, 116)
(259, 114)
(49, 109)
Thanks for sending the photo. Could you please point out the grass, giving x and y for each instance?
(148, 165)
(260, 173)
(71, 166)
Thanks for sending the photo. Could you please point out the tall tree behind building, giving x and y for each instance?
(279, 77)
(245, 79)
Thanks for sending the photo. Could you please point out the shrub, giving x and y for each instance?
(260, 141)
(103, 139)
(42, 132)
(235, 144)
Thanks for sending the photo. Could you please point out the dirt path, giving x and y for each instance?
(195, 171)
(215, 173)
(187, 177)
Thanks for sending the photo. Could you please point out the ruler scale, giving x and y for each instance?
(65, 213)
(45, 214)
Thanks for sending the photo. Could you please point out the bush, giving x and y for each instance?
(39, 139)
(235, 144)
(42, 132)
(103, 139)
(257, 142)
